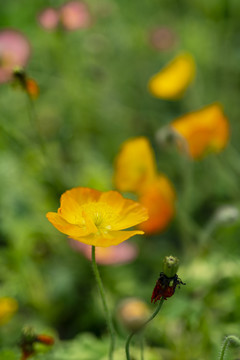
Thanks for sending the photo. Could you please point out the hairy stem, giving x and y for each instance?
(143, 326)
(228, 340)
(106, 310)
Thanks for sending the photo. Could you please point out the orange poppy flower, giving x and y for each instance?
(159, 199)
(135, 165)
(172, 81)
(97, 218)
(205, 130)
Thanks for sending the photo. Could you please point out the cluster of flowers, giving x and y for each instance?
(15, 49)
(72, 15)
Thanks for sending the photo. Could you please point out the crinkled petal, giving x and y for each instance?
(130, 213)
(109, 238)
(172, 81)
(82, 195)
(70, 229)
(70, 209)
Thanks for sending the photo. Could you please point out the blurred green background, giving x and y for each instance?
(93, 96)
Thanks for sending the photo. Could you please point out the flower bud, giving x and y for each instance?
(170, 266)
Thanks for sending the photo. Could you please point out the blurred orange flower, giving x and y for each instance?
(135, 165)
(172, 81)
(136, 171)
(20, 79)
(205, 130)
(159, 199)
(8, 307)
(32, 88)
(97, 218)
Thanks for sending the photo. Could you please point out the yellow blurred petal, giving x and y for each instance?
(67, 228)
(172, 81)
(8, 307)
(135, 165)
(70, 209)
(128, 212)
(205, 130)
(108, 238)
(159, 199)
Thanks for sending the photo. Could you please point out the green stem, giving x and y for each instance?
(229, 339)
(106, 310)
(142, 347)
(143, 325)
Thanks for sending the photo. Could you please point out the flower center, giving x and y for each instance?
(101, 214)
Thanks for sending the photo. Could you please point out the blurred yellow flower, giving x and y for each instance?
(205, 130)
(172, 81)
(8, 307)
(97, 218)
(136, 171)
(159, 198)
(135, 165)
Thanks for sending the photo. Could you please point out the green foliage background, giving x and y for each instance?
(93, 96)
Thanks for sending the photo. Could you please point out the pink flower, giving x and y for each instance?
(72, 15)
(113, 255)
(75, 15)
(162, 38)
(49, 18)
(14, 52)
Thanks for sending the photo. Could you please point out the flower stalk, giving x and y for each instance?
(106, 309)
(127, 347)
(231, 339)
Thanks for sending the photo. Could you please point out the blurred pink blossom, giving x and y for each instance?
(49, 18)
(75, 15)
(162, 38)
(119, 254)
(14, 51)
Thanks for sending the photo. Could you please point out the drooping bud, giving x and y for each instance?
(20, 79)
(28, 340)
(170, 266)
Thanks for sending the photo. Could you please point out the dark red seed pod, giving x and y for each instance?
(165, 287)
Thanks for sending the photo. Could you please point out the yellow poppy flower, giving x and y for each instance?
(172, 81)
(8, 307)
(205, 130)
(135, 165)
(159, 199)
(97, 218)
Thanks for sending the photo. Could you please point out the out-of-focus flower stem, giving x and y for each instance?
(139, 329)
(34, 123)
(106, 310)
